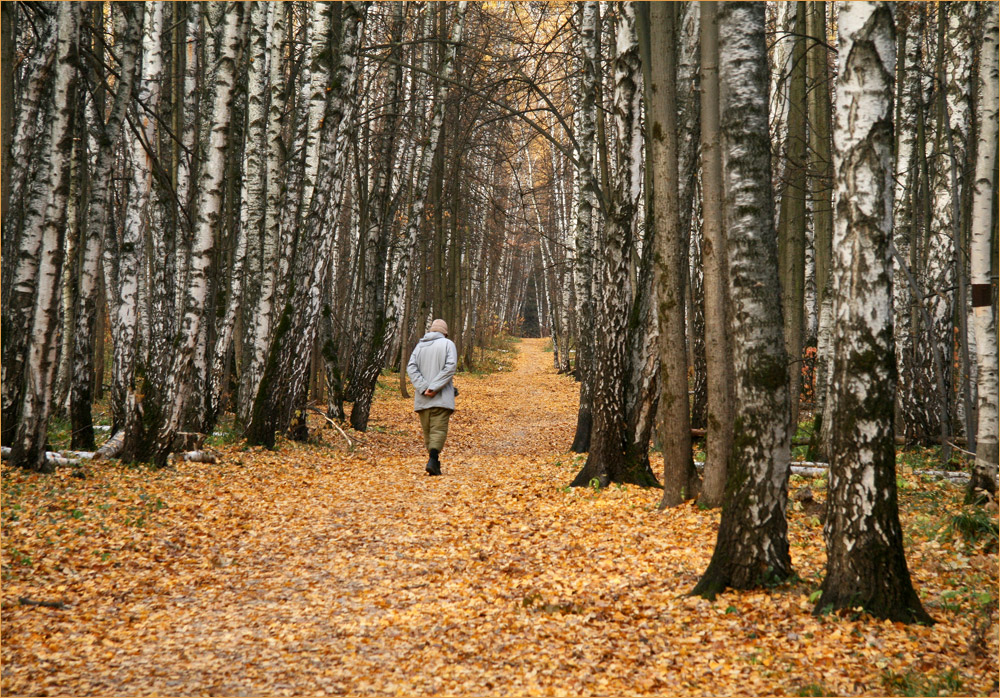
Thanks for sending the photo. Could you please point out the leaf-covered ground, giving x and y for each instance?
(320, 569)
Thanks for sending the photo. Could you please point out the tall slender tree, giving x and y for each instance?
(718, 349)
(389, 323)
(792, 217)
(610, 458)
(752, 545)
(984, 473)
(281, 391)
(679, 476)
(128, 20)
(865, 562)
(821, 193)
(259, 324)
(22, 232)
(49, 228)
(584, 215)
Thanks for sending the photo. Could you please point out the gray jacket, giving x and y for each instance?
(431, 366)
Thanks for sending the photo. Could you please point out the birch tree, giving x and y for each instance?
(49, 229)
(821, 193)
(362, 404)
(865, 562)
(752, 545)
(128, 27)
(150, 434)
(584, 220)
(259, 324)
(792, 218)
(252, 200)
(906, 216)
(126, 410)
(984, 474)
(609, 458)
(281, 389)
(940, 265)
(22, 231)
(376, 236)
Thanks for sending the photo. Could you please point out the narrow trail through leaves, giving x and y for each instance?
(318, 569)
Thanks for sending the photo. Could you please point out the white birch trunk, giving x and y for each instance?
(285, 374)
(22, 238)
(961, 32)
(376, 261)
(38, 75)
(179, 379)
(778, 87)
(940, 277)
(259, 323)
(319, 79)
(126, 322)
(187, 167)
(252, 198)
(128, 30)
(157, 307)
(752, 543)
(910, 98)
(71, 266)
(865, 562)
(583, 270)
(610, 458)
(984, 476)
(29, 442)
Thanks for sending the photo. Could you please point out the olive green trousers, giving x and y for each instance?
(434, 421)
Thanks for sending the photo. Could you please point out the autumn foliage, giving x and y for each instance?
(329, 568)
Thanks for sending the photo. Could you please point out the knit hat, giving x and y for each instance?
(441, 326)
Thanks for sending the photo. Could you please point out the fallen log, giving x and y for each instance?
(815, 469)
(63, 458)
(195, 457)
(808, 468)
(112, 447)
(51, 457)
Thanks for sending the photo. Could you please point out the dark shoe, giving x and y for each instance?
(433, 466)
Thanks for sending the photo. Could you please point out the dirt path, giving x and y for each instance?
(314, 570)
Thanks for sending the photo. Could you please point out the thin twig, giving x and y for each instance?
(332, 424)
(958, 448)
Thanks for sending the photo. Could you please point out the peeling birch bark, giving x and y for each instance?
(865, 561)
(984, 475)
(752, 545)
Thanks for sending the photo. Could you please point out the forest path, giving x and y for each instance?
(316, 569)
(530, 405)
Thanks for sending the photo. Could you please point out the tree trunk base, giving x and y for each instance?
(883, 601)
(638, 473)
(983, 483)
(723, 574)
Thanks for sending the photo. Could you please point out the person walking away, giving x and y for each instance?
(431, 367)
